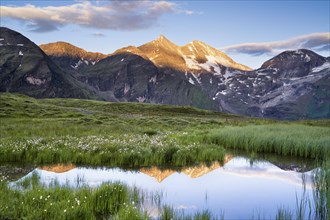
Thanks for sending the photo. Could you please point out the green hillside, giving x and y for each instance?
(136, 134)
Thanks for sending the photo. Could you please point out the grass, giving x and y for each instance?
(31, 200)
(127, 150)
(133, 135)
(169, 213)
(283, 139)
(100, 133)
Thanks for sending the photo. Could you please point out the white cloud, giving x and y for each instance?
(314, 41)
(115, 14)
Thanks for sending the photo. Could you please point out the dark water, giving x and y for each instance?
(239, 189)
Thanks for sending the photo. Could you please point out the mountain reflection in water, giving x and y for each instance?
(239, 166)
(257, 186)
(58, 168)
(192, 171)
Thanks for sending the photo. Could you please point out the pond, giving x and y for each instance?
(240, 188)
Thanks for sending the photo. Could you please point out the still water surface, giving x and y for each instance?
(239, 189)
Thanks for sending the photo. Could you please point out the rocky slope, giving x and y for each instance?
(292, 85)
(133, 78)
(24, 68)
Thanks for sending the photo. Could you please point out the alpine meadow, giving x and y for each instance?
(164, 110)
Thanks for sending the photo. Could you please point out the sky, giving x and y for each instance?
(250, 32)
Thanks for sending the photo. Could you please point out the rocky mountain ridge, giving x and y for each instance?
(193, 57)
(71, 58)
(292, 85)
(62, 49)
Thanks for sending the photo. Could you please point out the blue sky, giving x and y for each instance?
(249, 31)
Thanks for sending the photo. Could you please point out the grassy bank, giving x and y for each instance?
(128, 150)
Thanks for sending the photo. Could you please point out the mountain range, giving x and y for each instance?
(292, 85)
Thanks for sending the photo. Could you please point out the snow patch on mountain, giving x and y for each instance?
(35, 81)
(191, 81)
(153, 79)
(288, 90)
(77, 64)
(326, 65)
(307, 58)
(211, 65)
(191, 63)
(141, 99)
(197, 78)
(126, 89)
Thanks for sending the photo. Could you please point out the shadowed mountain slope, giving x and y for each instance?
(26, 69)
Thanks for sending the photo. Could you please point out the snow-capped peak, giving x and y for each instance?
(209, 58)
(195, 57)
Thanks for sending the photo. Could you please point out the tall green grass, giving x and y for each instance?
(29, 199)
(316, 208)
(32, 200)
(169, 213)
(283, 139)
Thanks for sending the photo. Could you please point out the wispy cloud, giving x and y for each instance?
(314, 41)
(114, 14)
(98, 34)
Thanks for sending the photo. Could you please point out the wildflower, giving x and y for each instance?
(40, 197)
(64, 210)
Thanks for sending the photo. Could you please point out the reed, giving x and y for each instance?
(283, 139)
(32, 200)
